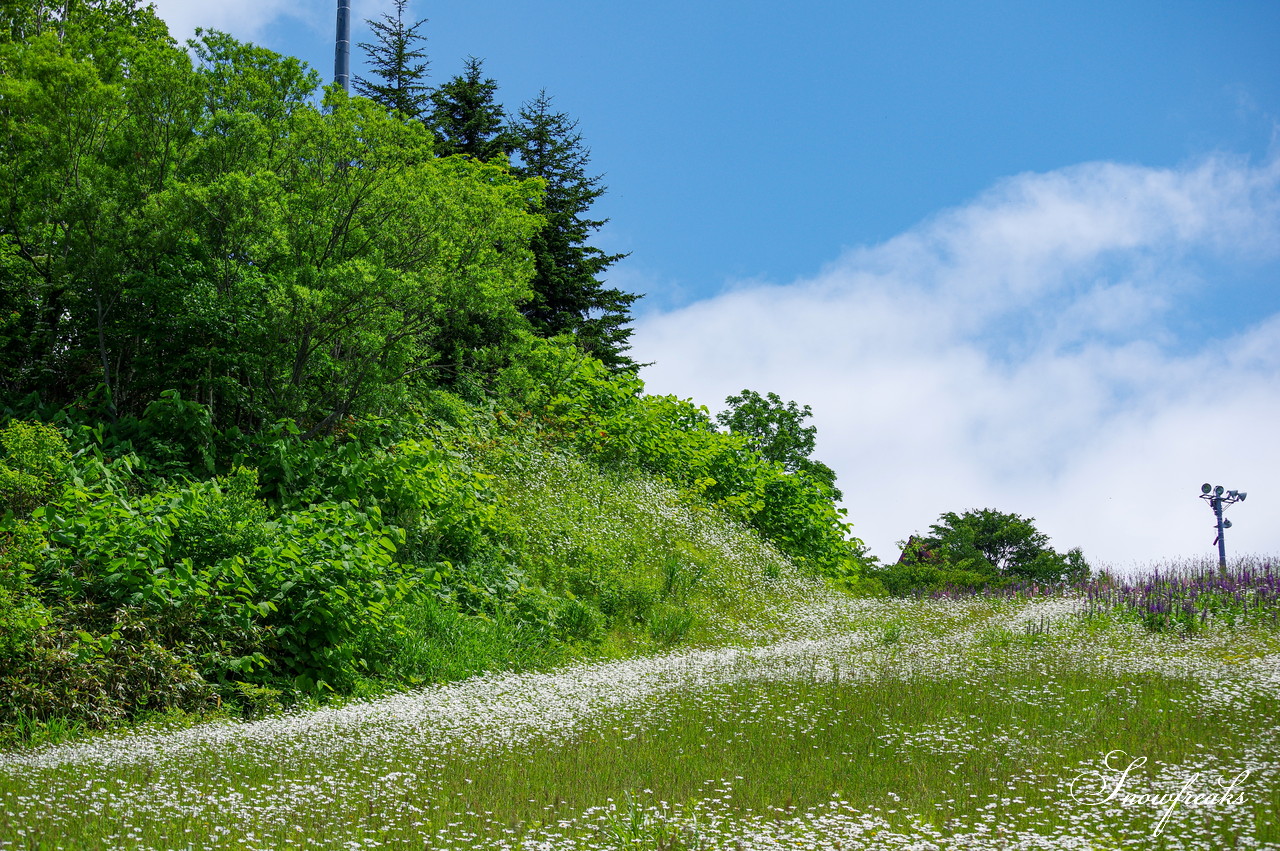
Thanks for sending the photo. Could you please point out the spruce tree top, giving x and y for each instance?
(400, 62)
(466, 118)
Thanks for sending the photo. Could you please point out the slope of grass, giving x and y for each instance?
(137, 596)
(655, 566)
(918, 723)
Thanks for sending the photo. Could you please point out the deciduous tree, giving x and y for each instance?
(209, 230)
(777, 431)
(999, 545)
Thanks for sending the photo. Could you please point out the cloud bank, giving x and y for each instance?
(1056, 348)
(249, 19)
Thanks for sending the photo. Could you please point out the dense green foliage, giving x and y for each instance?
(274, 421)
(384, 553)
(209, 230)
(980, 549)
(466, 119)
(383, 556)
(607, 417)
(777, 431)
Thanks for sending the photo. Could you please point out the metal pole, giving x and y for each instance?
(342, 51)
(1218, 498)
(1222, 543)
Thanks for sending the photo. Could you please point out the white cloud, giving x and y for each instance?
(1022, 353)
(248, 19)
(245, 19)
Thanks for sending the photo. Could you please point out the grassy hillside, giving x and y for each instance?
(384, 556)
(982, 722)
(300, 403)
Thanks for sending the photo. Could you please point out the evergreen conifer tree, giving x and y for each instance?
(399, 60)
(569, 297)
(466, 119)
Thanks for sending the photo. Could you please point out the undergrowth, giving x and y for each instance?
(383, 557)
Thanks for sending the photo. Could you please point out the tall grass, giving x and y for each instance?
(658, 567)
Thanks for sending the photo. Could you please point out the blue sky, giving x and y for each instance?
(1014, 254)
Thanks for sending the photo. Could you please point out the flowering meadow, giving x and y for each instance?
(976, 722)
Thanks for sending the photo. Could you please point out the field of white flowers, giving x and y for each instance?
(858, 724)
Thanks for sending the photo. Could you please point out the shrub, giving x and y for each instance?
(178, 434)
(915, 578)
(98, 677)
(979, 549)
(325, 576)
(607, 417)
(33, 466)
(249, 597)
(418, 479)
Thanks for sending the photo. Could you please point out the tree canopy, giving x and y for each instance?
(570, 296)
(209, 229)
(777, 431)
(993, 546)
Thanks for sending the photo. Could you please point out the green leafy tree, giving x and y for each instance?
(569, 297)
(777, 431)
(995, 545)
(209, 230)
(396, 57)
(467, 119)
(96, 105)
(376, 265)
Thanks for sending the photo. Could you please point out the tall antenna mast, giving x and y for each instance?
(342, 51)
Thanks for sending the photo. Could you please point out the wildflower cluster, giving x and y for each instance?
(1185, 599)
(1173, 597)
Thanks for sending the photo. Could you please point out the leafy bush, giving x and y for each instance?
(235, 592)
(448, 509)
(179, 433)
(979, 549)
(381, 552)
(98, 677)
(418, 478)
(913, 577)
(607, 417)
(32, 467)
(327, 577)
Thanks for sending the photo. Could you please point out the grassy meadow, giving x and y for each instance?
(979, 722)
(334, 515)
